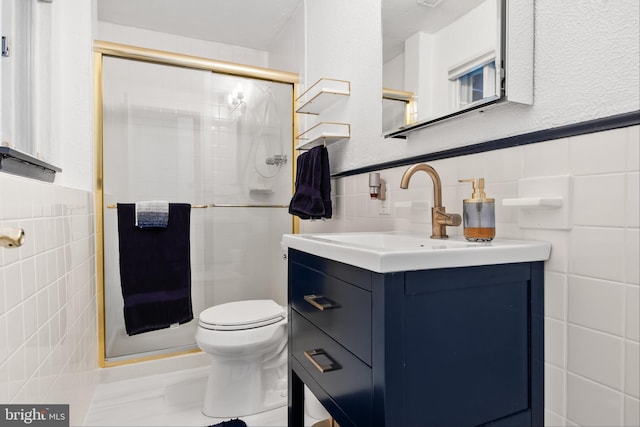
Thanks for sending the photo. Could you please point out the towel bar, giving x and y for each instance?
(192, 206)
(222, 205)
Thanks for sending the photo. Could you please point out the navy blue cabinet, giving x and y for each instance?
(445, 347)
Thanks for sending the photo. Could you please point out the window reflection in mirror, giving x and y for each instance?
(444, 52)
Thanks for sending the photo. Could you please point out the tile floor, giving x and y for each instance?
(172, 398)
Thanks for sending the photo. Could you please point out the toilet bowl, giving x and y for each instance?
(247, 341)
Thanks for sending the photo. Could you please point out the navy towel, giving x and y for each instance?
(155, 270)
(312, 196)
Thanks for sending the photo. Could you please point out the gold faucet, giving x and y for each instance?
(439, 218)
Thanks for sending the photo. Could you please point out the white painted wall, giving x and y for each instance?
(107, 31)
(343, 41)
(586, 66)
(287, 51)
(71, 92)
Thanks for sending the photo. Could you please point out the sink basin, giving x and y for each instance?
(393, 251)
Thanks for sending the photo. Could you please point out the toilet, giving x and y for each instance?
(247, 341)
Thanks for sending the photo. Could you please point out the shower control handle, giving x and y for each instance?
(276, 159)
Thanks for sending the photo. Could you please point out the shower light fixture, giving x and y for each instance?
(235, 99)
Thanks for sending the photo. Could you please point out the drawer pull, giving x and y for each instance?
(321, 360)
(321, 302)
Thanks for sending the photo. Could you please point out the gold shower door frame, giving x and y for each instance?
(101, 49)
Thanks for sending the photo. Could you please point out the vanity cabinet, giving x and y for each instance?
(443, 347)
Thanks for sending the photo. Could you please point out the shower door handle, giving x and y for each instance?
(321, 302)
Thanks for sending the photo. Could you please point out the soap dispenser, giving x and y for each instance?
(478, 213)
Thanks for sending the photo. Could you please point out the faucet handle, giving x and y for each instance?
(443, 218)
(451, 219)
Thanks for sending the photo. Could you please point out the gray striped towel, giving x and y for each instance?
(152, 214)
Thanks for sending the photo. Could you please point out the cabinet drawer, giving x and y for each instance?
(340, 309)
(346, 379)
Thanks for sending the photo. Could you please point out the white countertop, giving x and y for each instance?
(386, 252)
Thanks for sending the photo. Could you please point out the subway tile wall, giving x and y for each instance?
(48, 326)
(592, 279)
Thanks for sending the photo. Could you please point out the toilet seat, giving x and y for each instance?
(240, 315)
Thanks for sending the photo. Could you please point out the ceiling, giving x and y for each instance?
(247, 23)
(256, 23)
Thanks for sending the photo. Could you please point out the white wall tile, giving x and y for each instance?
(24, 189)
(632, 372)
(17, 373)
(41, 270)
(11, 256)
(631, 412)
(15, 325)
(554, 389)
(546, 159)
(3, 298)
(560, 246)
(30, 316)
(632, 196)
(632, 313)
(503, 165)
(632, 255)
(597, 252)
(473, 166)
(4, 341)
(28, 248)
(28, 277)
(33, 281)
(13, 288)
(552, 419)
(597, 304)
(591, 404)
(633, 148)
(11, 199)
(554, 342)
(595, 355)
(599, 200)
(555, 289)
(596, 153)
(4, 381)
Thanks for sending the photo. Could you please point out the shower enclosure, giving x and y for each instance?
(221, 142)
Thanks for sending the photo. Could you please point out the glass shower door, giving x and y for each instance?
(192, 136)
(154, 120)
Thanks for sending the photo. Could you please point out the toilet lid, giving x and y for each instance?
(242, 315)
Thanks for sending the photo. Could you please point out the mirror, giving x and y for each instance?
(443, 56)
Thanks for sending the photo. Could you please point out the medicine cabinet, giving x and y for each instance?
(456, 57)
